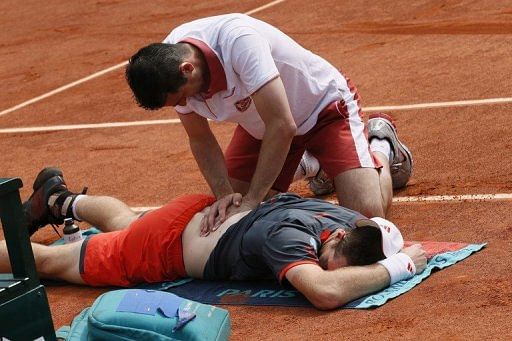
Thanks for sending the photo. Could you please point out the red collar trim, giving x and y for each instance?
(218, 80)
(324, 235)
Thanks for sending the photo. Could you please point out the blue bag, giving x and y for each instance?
(135, 314)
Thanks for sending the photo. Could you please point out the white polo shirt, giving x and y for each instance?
(243, 54)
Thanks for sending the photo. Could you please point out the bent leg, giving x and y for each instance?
(366, 190)
(106, 213)
(340, 142)
(52, 262)
(386, 183)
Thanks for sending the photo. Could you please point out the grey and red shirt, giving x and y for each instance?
(281, 233)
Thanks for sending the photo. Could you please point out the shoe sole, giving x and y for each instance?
(45, 175)
(406, 151)
(402, 148)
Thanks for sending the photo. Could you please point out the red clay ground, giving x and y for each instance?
(397, 53)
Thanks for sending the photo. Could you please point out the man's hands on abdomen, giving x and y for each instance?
(224, 208)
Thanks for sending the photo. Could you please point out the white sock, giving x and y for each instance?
(308, 167)
(73, 207)
(382, 146)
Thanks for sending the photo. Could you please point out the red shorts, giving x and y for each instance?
(339, 141)
(149, 250)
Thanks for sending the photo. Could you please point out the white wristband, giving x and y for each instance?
(400, 266)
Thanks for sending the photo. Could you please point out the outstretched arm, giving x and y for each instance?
(210, 159)
(273, 108)
(272, 105)
(208, 154)
(333, 289)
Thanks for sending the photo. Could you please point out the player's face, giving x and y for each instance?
(176, 98)
(327, 258)
(191, 88)
(337, 263)
(180, 97)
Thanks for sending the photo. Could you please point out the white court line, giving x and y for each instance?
(261, 8)
(100, 73)
(423, 199)
(459, 197)
(273, 3)
(62, 88)
(441, 104)
(87, 126)
(175, 121)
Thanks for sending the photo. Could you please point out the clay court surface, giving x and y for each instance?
(398, 53)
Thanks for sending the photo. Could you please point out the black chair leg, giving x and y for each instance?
(24, 310)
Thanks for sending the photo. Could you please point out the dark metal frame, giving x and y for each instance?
(24, 310)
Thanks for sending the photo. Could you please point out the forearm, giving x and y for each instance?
(333, 289)
(273, 152)
(273, 108)
(352, 283)
(210, 159)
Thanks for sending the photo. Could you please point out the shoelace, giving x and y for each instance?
(396, 167)
(55, 229)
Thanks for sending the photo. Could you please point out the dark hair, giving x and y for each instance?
(361, 246)
(154, 71)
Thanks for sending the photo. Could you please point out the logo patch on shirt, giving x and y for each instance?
(312, 242)
(243, 104)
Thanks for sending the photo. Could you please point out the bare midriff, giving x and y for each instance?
(197, 249)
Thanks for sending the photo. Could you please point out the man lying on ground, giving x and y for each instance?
(330, 254)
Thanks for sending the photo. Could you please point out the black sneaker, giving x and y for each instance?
(37, 213)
